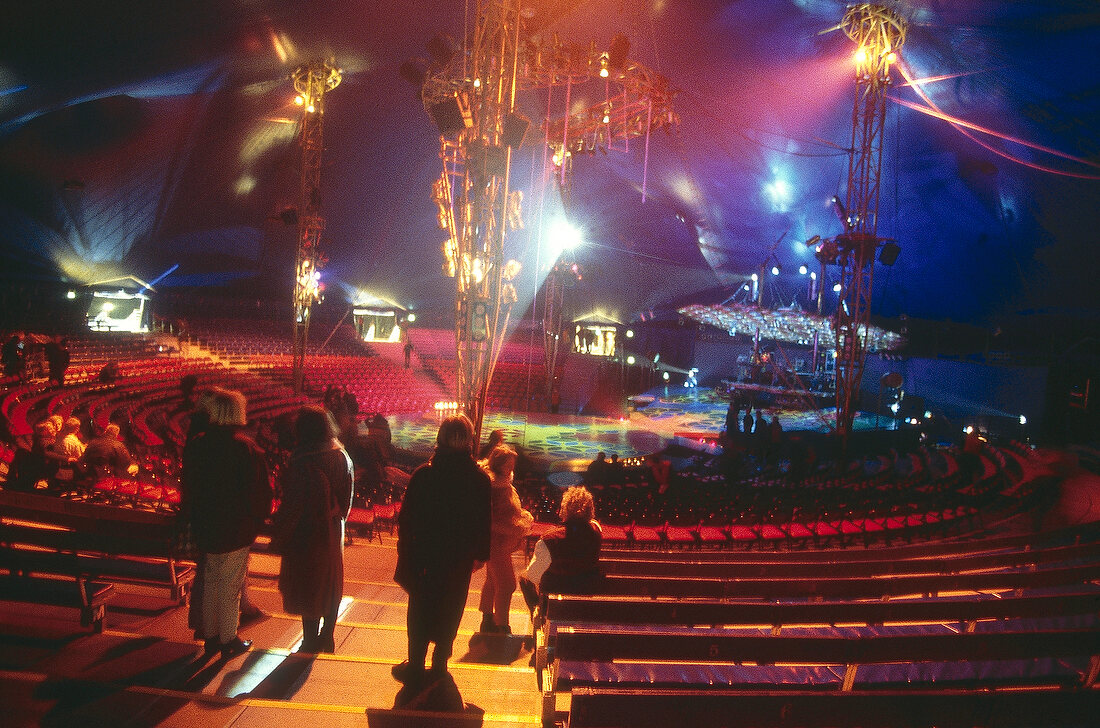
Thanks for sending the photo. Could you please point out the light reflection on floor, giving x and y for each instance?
(547, 438)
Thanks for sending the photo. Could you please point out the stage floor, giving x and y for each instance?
(547, 438)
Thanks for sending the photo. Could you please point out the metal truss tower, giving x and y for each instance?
(879, 33)
(472, 107)
(471, 98)
(311, 82)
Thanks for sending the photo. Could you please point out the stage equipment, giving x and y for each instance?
(879, 32)
(312, 82)
(477, 89)
(791, 326)
(471, 96)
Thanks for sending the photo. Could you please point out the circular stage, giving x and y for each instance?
(546, 438)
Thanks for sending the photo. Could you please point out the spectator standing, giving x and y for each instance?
(226, 495)
(511, 524)
(57, 359)
(309, 528)
(443, 530)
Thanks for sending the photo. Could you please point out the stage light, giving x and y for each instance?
(630, 360)
(1023, 420)
(311, 108)
(70, 295)
(803, 270)
(754, 277)
(630, 333)
(775, 270)
(928, 414)
(813, 275)
(836, 288)
(861, 56)
(563, 236)
(745, 287)
(664, 376)
(412, 318)
(477, 83)
(891, 57)
(299, 100)
(604, 72)
(968, 429)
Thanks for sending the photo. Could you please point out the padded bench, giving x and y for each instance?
(635, 708)
(57, 588)
(100, 542)
(703, 659)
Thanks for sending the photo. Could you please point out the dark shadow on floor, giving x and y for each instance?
(494, 649)
(428, 703)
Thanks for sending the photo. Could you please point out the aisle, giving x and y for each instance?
(142, 670)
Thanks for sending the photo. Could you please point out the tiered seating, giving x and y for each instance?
(1020, 619)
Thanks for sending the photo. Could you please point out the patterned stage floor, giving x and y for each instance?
(547, 438)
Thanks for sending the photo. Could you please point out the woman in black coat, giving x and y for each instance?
(444, 529)
(309, 528)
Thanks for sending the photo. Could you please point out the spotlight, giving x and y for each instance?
(311, 108)
(412, 318)
(630, 360)
(803, 270)
(70, 295)
(836, 288)
(775, 270)
(630, 333)
(604, 61)
(299, 100)
(754, 277)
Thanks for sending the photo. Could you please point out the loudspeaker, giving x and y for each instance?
(452, 115)
(889, 253)
(515, 127)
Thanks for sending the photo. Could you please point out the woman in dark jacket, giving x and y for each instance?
(444, 528)
(309, 528)
(227, 497)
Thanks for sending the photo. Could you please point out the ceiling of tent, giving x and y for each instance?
(139, 136)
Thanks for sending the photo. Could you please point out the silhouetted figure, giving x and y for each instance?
(308, 529)
(13, 356)
(444, 528)
(596, 474)
(57, 359)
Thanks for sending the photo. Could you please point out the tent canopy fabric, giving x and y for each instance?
(137, 136)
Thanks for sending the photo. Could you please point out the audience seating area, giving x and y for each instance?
(519, 380)
(1001, 616)
(70, 554)
(877, 590)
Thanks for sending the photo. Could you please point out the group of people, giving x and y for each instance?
(459, 513)
(227, 495)
(57, 459)
(50, 358)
